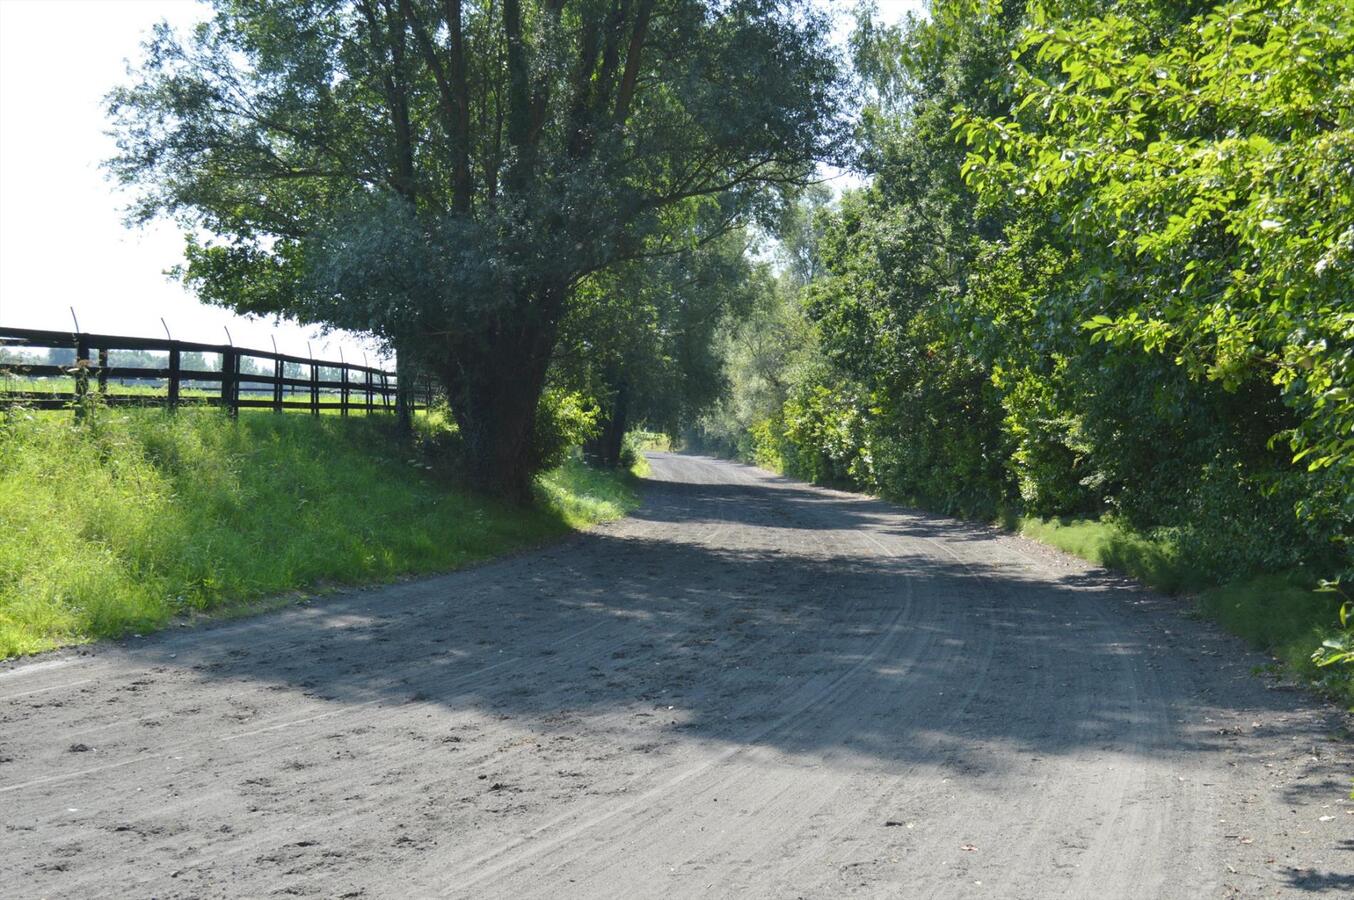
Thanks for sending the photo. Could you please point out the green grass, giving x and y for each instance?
(140, 515)
(56, 386)
(582, 495)
(1154, 561)
(1281, 614)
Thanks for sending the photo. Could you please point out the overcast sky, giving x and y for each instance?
(62, 241)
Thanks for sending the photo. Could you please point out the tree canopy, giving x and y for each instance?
(444, 175)
(1206, 180)
(1101, 265)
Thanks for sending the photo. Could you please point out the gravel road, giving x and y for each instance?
(750, 687)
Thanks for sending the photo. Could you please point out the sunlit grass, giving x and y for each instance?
(1154, 561)
(139, 515)
(156, 393)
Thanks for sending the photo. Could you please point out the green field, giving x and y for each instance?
(156, 392)
(138, 516)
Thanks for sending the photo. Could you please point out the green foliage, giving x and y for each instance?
(902, 405)
(138, 516)
(770, 350)
(1338, 648)
(824, 427)
(445, 175)
(1100, 278)
(640, 441)
(564, 421)
(634, 446)
(1205, 174)
(643, 339)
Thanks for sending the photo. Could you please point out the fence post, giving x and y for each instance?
(103, 370)
(277, 385)
(343, 390)
(314, 388)
(369, 410)
(229, 365)
(174, 376)
(81, 375)
(404, 396)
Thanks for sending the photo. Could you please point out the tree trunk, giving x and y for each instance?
(404, 394)
(497, 418)
(611, 442)
(494, 383)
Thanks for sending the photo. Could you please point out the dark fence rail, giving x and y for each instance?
(240, 382)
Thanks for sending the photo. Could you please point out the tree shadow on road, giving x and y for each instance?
(817, 642)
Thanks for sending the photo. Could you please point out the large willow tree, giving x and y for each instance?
(441, 174)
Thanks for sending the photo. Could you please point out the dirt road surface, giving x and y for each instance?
(750, 687)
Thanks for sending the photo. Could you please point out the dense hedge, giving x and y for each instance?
(1102, 269)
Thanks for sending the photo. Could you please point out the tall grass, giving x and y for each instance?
(121, 523)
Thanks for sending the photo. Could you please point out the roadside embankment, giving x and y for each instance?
(125, 522)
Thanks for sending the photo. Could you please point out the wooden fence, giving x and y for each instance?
(236, 385)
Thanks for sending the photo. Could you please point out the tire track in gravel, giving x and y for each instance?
(705, 538)
(751, 687)
(809, 789)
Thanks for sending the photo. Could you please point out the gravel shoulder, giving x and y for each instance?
(749, 687)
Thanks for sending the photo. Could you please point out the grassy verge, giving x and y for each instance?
(1286, 618)
(1280, 614)
(1153, 561)
(123, 523)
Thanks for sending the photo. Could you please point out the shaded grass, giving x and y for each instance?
(1281, 614)
(122, 523)
(1285, 617)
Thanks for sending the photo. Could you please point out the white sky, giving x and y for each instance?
(62, 240)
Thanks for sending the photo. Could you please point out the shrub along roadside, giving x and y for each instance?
(137, 516)
(1101, 267)
(1285, 614)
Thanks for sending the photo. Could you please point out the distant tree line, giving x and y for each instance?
(189, 360)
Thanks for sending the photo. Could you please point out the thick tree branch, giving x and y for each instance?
(626, 94)
(519, 99)
(387, 48)
(454, 115)
(611, 57)
(462, 184)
